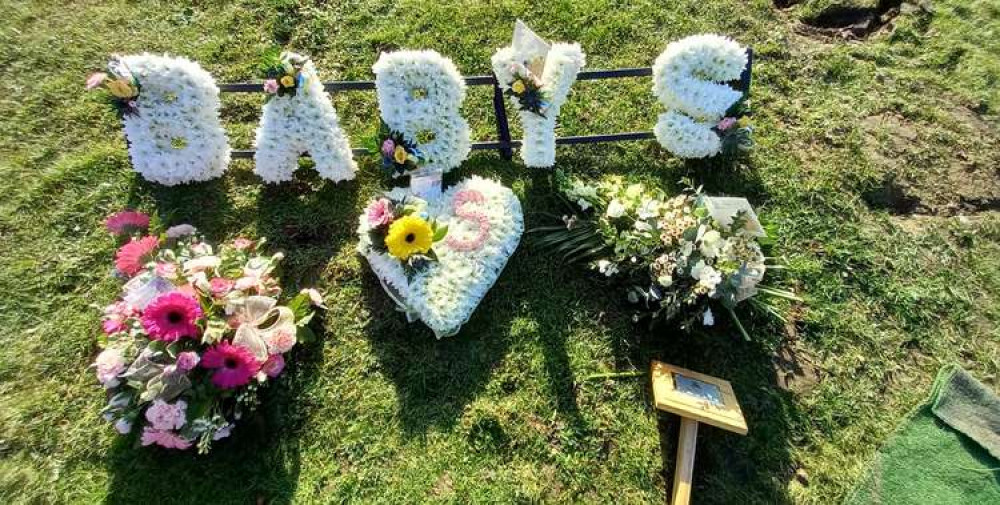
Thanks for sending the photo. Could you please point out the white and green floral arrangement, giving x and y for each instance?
(298, 118)
(170, 107)
(437, 258)
(676, 257)
(537, 78)
(705, 115)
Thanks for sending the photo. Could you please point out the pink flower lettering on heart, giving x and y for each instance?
(469, 196)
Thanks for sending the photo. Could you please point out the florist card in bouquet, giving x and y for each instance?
(437, 257)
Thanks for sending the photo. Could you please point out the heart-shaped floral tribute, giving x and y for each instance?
(437, 258)
(195, 334)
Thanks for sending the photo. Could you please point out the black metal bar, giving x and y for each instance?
(503, 128)
(744, 84)
(589, 75)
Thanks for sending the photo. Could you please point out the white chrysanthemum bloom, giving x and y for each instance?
(689, 80)
(177, 136)
(446, 293)
(305, 122)
(562, 64)
(419, 95)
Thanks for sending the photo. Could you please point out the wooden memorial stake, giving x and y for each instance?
(697, 398)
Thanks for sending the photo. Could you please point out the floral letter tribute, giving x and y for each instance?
(688, 79)
(195, 334)
(170, 107)
(538, 79)
(419, 96)
(437, 258)
(675, 255)
(298, 117)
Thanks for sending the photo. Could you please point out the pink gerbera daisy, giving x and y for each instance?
(127, 221)
(132, 256)
(234, 366)
(171, 316)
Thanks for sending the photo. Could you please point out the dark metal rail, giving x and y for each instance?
(504, 143)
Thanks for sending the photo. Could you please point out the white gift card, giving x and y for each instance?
(530, 47)
(426, 186)
(724, 208)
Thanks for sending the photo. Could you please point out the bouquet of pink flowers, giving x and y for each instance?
(197, 331)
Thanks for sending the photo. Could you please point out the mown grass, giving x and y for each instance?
(379, 410)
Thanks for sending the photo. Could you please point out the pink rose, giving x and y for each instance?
(166, 270)
(379, 213)
(273, 366)
(271, 86)
(220, 286)
(726, 123)
(111, 326)
(187, 360)
(96, 79)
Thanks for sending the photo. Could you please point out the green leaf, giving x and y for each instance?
(305, 335)
(439, 233)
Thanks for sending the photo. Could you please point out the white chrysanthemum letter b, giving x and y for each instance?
(419, 95)
(175, 136)
(537, 78)
(299, 122)
(689, 80)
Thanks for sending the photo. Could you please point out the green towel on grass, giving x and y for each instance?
(948, 452)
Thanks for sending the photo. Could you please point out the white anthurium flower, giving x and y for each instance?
(649, 209)
(711, 244)
(615, 209)
(254, 332)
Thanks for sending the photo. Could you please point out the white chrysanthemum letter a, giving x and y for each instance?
(299, 118)
(175, 135)
(689, 80)
(538, 78)
(419, 97)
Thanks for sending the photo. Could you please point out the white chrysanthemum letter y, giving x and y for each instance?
(301, 121)
(419, 96)
(537, 97)
(688, 79)
(175, 135)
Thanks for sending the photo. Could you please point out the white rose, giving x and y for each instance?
(615, 209)
(711, 244)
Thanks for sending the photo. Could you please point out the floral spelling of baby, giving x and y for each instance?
(197, 331)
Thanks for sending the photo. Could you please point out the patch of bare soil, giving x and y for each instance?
(929, 176)
(794, 367)
(849, 22)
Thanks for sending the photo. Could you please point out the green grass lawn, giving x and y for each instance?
(876, 162)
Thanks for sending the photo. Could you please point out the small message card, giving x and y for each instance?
(724, 208)
(426, 186)
(529, 46)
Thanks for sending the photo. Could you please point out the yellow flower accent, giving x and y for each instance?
(743, 122)
(518, 86)
(121, 88)
(399, 155)
(407, 236)
(288, 81)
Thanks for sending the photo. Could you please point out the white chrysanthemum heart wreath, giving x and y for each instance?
(485, 224)
(562, 64)
(689, 80)
(176, 135)
(419, 95)
(299, 123)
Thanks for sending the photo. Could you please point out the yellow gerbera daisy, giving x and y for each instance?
(287, 81)
(407, 236)
(399, 155)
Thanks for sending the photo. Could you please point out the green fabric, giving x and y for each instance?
(945, 453)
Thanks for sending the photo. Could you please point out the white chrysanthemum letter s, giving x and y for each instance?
(538, 98)
(302, 122)
(175, 136)
(689, 80)
(419, 95)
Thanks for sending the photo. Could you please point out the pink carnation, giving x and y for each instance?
(96, 79)
(110, 363)
(112, 326)
(234, 366)
(379, 213)
(187, 360)
(166, 416)
(171, 316)
(388, 148)
(166, 270)
(273, 366)
(726, 123)
(166, 439)
(132, 257)
(280, 342)
(220, 286)
(271, 86)
(126, 221)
